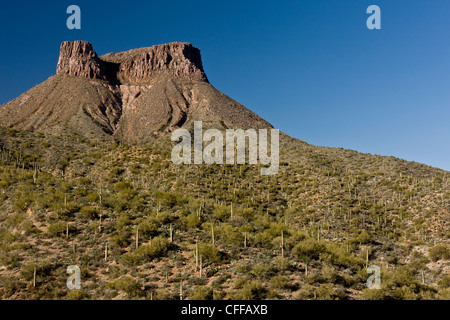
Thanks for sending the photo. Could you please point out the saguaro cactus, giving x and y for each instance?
(137, 237)
(196, 255)
(181, 290)
(231, 214)
(35, 174)
(367, 258)
(34, 277)
(245, 239)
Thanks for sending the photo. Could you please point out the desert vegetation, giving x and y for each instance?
(140, 227)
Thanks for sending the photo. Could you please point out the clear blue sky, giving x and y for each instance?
(311, 67)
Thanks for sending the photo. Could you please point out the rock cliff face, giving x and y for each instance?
(135, 96)
(79, 59)
(135, 66)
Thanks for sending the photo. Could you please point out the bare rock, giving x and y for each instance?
(78, 58)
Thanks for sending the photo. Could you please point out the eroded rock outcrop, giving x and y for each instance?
(135, 66)
(135, 96)
(78, 58)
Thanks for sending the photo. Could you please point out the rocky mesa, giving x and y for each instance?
(178, 59)
(134, 96)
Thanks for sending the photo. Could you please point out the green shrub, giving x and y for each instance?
(120, 239)
(251, 290)
(282, 263)
(127, 284)
(4, 184)
(260, 270)
(309, 249)
(279, 282)
(60, 228)
(123, 221)
(372, 294)
(439, 252)
(77, 295)
(89, 212)
(193, 221)
(202, 293)
(330, 292)
(209, 253)
(158, 247)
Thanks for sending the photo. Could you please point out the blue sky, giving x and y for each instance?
(311, 67)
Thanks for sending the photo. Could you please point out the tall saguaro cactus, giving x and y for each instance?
(196, 255)
(34, 277)
(137, 237)
(181, 290)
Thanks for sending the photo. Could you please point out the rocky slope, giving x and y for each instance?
(134, 96)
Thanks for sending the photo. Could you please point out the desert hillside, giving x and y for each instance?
(86, 179)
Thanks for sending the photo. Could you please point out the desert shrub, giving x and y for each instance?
(93, 197)
(306, 292)
(89, 212)
(116, 172)
(282, 263)
(148, 227)
(329, 274)
(169, 199)
(60, 228)
(229, 235)
(156, 248)
(418, 261)
(260, 270)
(202, 293)
(71, 208)
(329, 292)
(209, 253)
(279, 282)
(243, 267)
(43, 269)
(127, 284)
(372, 294)
(403, 276)
(337, 255)
(310, 249)
(123, 221)
(4, 184)
(405, 293)
(120, 239)
(221, 213)
(439, 252)
(193, 221)
(122, 185)
(361, 237)
(444, 282)
(77, 295)
(444, 294)
(251, 290)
